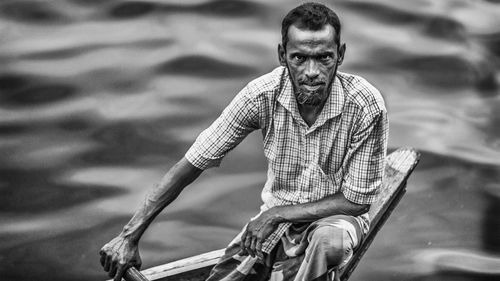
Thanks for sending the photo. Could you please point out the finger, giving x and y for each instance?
(138, 264)
(119, 272)
(103, 258)
(248, 244)
(252, 245)
(245, 244)
(242, 240)
(243, 252)
(258, 248)
(112, 269)
(260, 241)
(107, 263)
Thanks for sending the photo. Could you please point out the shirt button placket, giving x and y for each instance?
(309, 142)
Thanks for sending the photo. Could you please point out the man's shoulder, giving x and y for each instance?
(266, 83)
(361, 92)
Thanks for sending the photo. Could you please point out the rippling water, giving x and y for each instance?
(98, 98)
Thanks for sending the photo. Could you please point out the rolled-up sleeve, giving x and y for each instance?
(237, 120)
(366, 159)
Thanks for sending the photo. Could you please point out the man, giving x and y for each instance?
(325, 137)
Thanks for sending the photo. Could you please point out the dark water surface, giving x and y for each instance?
(99, 98)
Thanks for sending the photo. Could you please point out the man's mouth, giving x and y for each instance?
(312, 87)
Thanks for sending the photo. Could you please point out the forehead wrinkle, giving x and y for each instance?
(311, 50)
(312, 38)
(312, 46)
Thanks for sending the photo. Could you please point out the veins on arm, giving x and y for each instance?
(171, 185)
(331, 205)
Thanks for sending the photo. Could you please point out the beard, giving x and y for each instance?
(315, 97)
(310, 97)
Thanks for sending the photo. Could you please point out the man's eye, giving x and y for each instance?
(298, 58)
(325, 57)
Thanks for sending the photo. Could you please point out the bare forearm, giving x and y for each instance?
(335, 204)
(261, 227)
(171, 185)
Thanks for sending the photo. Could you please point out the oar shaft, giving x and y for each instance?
(132, 274)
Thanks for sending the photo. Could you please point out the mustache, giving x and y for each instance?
(305, 81)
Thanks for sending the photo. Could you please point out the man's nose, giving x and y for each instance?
(312, 69)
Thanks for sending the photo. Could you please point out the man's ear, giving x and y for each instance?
(281, 55)
(341, 53)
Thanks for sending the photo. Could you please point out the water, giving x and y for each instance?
(99, 98)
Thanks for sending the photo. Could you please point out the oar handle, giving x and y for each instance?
(132, 274)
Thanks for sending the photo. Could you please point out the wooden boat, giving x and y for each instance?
(399, 166)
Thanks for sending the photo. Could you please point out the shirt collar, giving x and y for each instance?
(333, 106)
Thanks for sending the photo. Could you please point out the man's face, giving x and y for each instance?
(312, 58)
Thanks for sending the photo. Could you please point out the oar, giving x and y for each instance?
(132, 274)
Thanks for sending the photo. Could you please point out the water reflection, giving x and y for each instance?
(36, 191)
(219, 8)
(34, 12)
(201, 66)
(491, 220)
(99, 98)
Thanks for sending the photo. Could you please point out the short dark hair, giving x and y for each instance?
(312, 16)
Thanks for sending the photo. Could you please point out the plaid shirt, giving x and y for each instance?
(343, 151)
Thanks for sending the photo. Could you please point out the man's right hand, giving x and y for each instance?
(122, 252)
(119, 255)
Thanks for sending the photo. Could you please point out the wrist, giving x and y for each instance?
(130, 236)
(277, 215)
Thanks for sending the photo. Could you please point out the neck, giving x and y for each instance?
(311, 112)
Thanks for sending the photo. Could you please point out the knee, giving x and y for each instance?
(332, 242)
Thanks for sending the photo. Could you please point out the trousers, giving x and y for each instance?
(307, 251)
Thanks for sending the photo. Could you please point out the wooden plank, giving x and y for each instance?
(192, 268)
(399, 166)
(133, 274)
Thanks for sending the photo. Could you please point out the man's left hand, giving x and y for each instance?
(257, 231)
